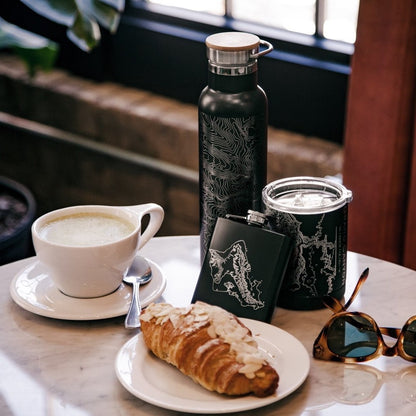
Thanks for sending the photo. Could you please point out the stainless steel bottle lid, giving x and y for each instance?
(305, 195)
(234, 53)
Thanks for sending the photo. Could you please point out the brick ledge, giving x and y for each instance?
(143, 122)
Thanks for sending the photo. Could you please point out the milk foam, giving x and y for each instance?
(86, 229)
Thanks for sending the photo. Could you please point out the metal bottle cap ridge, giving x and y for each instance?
(234, 53)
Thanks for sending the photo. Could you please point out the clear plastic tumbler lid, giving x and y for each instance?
(305, 195)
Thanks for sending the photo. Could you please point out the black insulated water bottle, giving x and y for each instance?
(233, 119)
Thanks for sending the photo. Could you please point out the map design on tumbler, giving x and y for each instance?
(228, 155)
(231, 274)
(309, 251)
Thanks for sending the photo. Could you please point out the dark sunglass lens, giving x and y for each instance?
(352, 336)
(409, 340)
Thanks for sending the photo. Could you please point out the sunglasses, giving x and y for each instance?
(352, 337)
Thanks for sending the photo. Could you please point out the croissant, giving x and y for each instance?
(211, 346)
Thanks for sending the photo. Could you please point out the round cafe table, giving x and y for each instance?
(67, 367)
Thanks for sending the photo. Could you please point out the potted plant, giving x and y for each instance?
(82, 19)
(17, 212)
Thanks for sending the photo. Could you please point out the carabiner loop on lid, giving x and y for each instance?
(269, 48)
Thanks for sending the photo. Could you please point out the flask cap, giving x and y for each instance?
(235, 53)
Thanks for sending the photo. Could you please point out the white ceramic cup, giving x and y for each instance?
(88, 271)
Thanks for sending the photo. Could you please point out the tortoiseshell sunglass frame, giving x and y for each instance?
(322, 351)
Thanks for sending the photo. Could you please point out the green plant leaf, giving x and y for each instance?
(84, 32)
(106, 16)
(36, 51)
(59, 11)
(81, 17)
(12, 35)
(43, 58)
(115, 4)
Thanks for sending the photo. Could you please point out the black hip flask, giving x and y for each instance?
(244, 266)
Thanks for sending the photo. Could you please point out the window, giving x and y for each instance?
(161, 48)
(305, 77)
(331, 19)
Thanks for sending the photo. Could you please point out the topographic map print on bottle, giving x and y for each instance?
(317, 267)
(230, 150)
(231, 274)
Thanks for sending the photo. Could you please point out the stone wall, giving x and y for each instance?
(76, 141)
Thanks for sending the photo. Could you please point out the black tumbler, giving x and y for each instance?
(314, 213)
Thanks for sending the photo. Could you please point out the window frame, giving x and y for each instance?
(311, 100)
(311, 46)
(162, 49)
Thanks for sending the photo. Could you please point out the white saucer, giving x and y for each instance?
(33, 290)
(156, 382)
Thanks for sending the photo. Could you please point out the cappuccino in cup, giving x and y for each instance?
(86, 229)
(88, 249)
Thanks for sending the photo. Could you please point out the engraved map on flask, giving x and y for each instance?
(231, 274)
(228, 155)
(310, 250)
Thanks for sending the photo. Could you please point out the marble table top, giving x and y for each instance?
(67, 367)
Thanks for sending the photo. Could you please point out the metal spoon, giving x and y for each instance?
(139, 273)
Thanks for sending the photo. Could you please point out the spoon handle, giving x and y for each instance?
(132, 318)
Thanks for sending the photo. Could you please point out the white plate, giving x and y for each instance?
(33, 289)
(156, 382)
